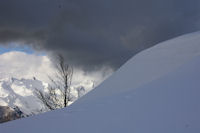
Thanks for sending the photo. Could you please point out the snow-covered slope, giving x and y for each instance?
(152, 93)
(152, 64)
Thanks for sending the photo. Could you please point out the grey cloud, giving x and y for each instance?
(91, 34)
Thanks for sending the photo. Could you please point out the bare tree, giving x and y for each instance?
(59, 91)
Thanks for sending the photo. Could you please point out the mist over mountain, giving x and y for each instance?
(22, 73)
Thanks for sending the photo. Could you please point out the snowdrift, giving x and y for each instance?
(157, 91)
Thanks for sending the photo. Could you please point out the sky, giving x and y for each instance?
(92, 35)
(21, 64)
(12, 47)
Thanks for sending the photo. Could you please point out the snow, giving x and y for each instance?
(153, 63)
(157, 91)
(20, 92)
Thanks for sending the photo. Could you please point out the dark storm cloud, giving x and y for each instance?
(94, 33)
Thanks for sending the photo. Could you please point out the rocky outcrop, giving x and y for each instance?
(8, 114)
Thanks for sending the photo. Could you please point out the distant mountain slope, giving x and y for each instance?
(20, 92)
(154, 92)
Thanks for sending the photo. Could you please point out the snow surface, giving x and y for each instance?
(157, 91)
(152, 64)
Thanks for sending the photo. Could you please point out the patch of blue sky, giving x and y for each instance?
(16, 47)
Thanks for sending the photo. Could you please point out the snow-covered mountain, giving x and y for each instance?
(157, 91)
(21, 93)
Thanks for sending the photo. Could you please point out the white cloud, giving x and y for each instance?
(90, 80)
(23, 65)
